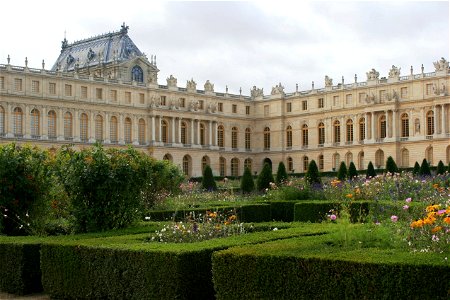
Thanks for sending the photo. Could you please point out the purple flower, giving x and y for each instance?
(394, 218)
(333, 217)
(408, 200)
(405, 207)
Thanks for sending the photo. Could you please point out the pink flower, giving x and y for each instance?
(394, 218)
(408, 199)
(405, 207)
(333, 217)
(441, 211)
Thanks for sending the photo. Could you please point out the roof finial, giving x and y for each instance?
(8, 59)
(43, 65)
(124, 29)
(26, 62)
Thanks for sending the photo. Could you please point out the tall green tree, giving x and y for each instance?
(342, 172)
(440, 168)
(281, 173)
(208, 182)
(352, 173)
(425, 168)
(370, 171)
(391, 166)
(416, 169)
(265, 178)
(312, 174)
(247, 182)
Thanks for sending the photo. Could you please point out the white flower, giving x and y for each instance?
(275, 229)
(147, 218)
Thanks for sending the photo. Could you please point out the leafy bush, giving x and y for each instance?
(312, 174)
(391, 166)
(265, 178)
(370, 171)
(425, 168)
(281, 173)
(247, 182)
(416, 169)
(208, 182)
(440, 168)
(352, 172)
(26, 179)
(342, 172)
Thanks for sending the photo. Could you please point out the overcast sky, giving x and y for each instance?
(241, 44)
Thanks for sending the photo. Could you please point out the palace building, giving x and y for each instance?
(105, 89)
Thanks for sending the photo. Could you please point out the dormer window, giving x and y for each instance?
(137, 74)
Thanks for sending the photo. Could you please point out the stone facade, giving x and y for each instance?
(116, 99)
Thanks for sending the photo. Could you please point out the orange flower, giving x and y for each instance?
(429, 221)
(447, 220)
(357, 191)
(433, 207)
(417, 224)
(436, 229)
(436, 185)
(349, 196)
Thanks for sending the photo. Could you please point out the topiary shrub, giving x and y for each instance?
(352, 173)
(312, 174)
(424, 168)
(208, 182)
(416, 169)
(370, 171)
(342, 172)
(247, 182)
(265, 178)
(281, 173)
(440, 168)
(391, 166)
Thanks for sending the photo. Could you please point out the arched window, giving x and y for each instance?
(362, 129)
(183, 133)
(51, 124)
(202, 134)
(321, 129)
(349, 126)
(141, 130)
(18, 122)
(222, 166)
(379, 158)
(305, 163)
(248, 164)
(187, 165)
(336, 161)
(127, 131)
(337, 131)
(267, 138)
(289, 137)
(348, 158)
(382, 127)
(305, 137)
(290, 164)
(2, 120)
(99, 128)
(84, 127)
(235, 167)
(220, 136)
(113, 130)
(429, 155)
(35, 124)
(361, 165)
(168, 157)
(164, 131)
(321, 163)
(405, 158)
(205, 162)
(405, 125)
(137, 74)
(234, 138)
(68, 121)
(430, 122)
(248, 133)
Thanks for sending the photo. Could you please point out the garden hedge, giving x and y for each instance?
(282, 211)
(254, 213)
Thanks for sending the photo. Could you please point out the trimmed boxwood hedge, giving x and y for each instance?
(282, 211)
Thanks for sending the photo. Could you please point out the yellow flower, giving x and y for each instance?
(436, 229)
(433, 207)
(417, 224)
(429, 221)
(349, 196)
(436, 185)
(357, 191)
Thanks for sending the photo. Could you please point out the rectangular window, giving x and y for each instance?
(68, 90)
(335, 100)
(247, 110)
(52, 88)
(200, 104)
(349, 99)
(383, 96)
(35, 86)
(163, 100)
(141, 98)
(266, 110)
(362, 97)
(220, 106)
(17, 84)
(234, 108)
(404, 93)
(304, 105)
(2, 83)
(182, 102)
(128, 97)
(320, 103)
(113, 95)
(289, 107)
(84, 92)
(429, 89)
(98, 93)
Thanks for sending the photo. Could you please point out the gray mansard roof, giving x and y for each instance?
(106, 48)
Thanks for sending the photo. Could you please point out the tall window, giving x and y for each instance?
(321, 129)
(18, 84)
(361, 165)
(336, 161)
(35, 86)
(137, 74)
(405, 158)
(290, 164)
(405, 125)
(305, 163)
(35, 125)
(220, 136)
(429, 155)
(183, 133)
(141, 129)
(99, 128)
(68, 126)
(222, 166)
(349, 130)
(348, 158)
(17, 122)
(379, 158)
(320, 103)
(382, 127)
(187, 165)
(113, 129)
(430, 122)
(51, 124)
(2, 120)
(267, 138)
(234, 138)
(289, 137)
(289, 107)
(127, 131)
(362, 129)
(248, 163)
(248, 134)
(202, 134)
(305, 137)
(234, 167)
(337, 131)
(164, 133)
(321, 163)
(84, 127)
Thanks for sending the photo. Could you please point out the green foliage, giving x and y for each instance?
(391, 166)
(416, 169)
(265, 178)
(352, 172)
(342, 172)
(254, 213)
(313, 211)
(370, 171)
(208, 182)
(425, 168)
(282, 211)
(247, 182)
(288, 192)
(440, 168)
(26, 179)
(281, 173)
(312, 174)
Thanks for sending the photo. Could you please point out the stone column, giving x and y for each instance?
(121, 129)
(135, 131)
(106, 131)
(198, 132)
(26, 124)
(192, 131)
(60, 125)
(444, 120)
(179, 130)
(435, 117)
(173, 140)
(153, 129)
(44, 134)
(8, 118)
(215, 134)
(76, 125)
(366, 126)
(210, 132)
(394, 124)
(372, 137)
(386, 114)
(160, 129)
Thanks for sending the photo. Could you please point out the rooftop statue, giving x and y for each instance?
(255, 92)
(171, 81)
(372, 74)
(394, 72)
(441, 65)
(191, 85)
(328, 81)
(209, 87)
(277, 90)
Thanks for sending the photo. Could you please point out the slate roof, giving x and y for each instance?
(105, 48)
